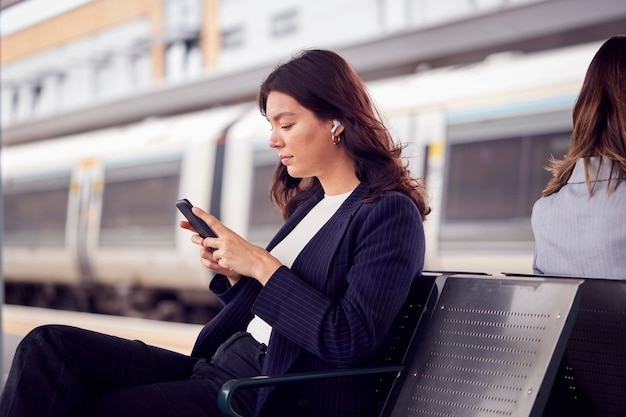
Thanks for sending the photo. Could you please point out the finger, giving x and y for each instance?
(195, 238)
(211, 243)
(209, 264)
(223, 265)
(211, 220)
(184, 224)
(207, 255)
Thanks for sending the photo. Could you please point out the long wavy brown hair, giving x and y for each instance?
(599, 118)
(324, 83)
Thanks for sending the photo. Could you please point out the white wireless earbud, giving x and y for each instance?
(336, 124)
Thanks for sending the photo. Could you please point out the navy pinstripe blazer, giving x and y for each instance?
(333, 307)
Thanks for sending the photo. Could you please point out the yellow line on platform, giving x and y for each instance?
(179, 337)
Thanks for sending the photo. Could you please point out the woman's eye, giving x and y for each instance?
(286, 127)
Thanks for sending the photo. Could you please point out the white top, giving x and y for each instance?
(289, 248)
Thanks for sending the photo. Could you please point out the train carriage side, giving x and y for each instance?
(42, 196)
(96, 211)
(480, 135)
(137, 239)
(98, 208)
(249, 165)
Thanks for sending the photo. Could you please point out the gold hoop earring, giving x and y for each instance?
(336, 139)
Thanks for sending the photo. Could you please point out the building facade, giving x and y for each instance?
(104, 49)
(107, 50)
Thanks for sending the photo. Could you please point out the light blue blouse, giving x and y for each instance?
(581, 235)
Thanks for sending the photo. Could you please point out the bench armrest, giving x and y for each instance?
(228, 390)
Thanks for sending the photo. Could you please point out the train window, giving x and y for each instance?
(35, 211)
(137, 204)
(480, 175)
(495, 174)
(285, 23)
(265, 219)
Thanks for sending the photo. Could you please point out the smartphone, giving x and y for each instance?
(200, 225)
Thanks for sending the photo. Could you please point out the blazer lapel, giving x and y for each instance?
(340, 219)
(321, 250)
(326, 240)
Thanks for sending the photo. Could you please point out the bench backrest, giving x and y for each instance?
(394, 349)
(490, 348)
(591, 380)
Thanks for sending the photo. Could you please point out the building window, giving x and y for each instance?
(103, 77)
(183, 23)
(140, 65)
(15, 103)
(233, 38)
(285, 23)
(183, 16)
(183, 59)
(37, 91)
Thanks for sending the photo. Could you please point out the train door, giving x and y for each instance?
(38, 243)
(264, 220)
(86, 186)
(249, 165)
(422, 134)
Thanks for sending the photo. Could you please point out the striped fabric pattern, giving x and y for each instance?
(334, 306)
(576, 234)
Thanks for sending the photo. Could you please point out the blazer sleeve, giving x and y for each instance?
(382, 252)
(234, 317)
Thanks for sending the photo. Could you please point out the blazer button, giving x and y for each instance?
(303, 402)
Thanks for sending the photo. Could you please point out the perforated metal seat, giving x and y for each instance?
(592, 376)
(491, 348)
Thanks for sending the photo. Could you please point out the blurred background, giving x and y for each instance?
(111, 110)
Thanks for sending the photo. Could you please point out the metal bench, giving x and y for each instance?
(491, 347)
(390, 356)
(591, 380)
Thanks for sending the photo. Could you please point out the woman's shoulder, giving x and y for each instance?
(396, 197)
(392, 202)
(393, 212)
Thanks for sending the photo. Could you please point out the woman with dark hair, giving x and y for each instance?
(579, 224)
(322, 296)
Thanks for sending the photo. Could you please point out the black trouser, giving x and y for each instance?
(66, 371)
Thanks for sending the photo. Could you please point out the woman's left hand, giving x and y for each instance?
(232, 252)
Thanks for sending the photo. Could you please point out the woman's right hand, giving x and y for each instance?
(206, 256)
(231, 254)
(209, 261)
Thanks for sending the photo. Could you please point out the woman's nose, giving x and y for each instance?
(274, 141)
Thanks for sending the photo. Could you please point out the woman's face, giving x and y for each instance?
(302, 140)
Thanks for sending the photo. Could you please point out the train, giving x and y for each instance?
(90, 221)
